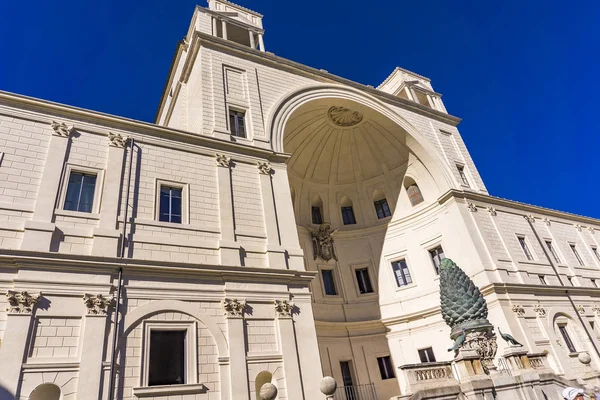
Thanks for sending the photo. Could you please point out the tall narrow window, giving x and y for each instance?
(463, 176)
(170, 204)
(316, 215)
(570, 279)
(382, 208)
(328, 282)
(595, 251)
(167, 358)
(567, 338)
(426, 355)
(385, 367)
(525, 248)
(552, 251)
(237, 123)
(414, 194)
(348, 215)
(347, 380)
(80, 192)
(576, 253)
(363, 280)
(401, 273)
(594, 283)
(542, 279)
(437, 255)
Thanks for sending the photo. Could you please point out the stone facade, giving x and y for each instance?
(238, 272)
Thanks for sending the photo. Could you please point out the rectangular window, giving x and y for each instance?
(401, 273)
(570, 279)
(237, 123)
(382, 209)
(437, 255)
(567, 338)
(170, 204)
(317, 218)
(426, 355)
(80, 192)
(347, 380)
(576, 253)
(594, 283)
(328, 282)
(385, 367)
(463, 176)
(364, 282)
(595, 251)
(167, 358)
(542, 279)
(525, 248)
(348, 216)
(552, 251)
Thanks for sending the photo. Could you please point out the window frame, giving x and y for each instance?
(312, 215)
(388, 367)
(410, 198)
(573, 247)
(566, 336)
(552, 250)
(424, 350)
(594, 250)
(463, 175)
(524, 243)
(70, 168)
(429, 250)
(185, 189)
(542, 279)
(190, 346)
(366, 267)
(333, 278)
(353, 215)
(237, 110)
(383, 203)
(398, 261)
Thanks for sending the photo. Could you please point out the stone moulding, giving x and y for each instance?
(98, 304)
(234, 307)
(21, 302)
(284, 308)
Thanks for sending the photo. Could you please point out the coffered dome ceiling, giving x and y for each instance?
(340, 142)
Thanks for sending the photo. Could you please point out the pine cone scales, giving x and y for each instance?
(461, 300)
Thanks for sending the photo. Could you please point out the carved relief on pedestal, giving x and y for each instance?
(116, 140)
(21, 302)
(264, 168)
(98, 304)
(222, 160)
(322, 240)
(61, 129)
(284, 308)
(233, 307)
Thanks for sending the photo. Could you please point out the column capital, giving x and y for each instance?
(61, 129)
(116, 140)
(264, 167)
(222, 160)
(21, 302)
(98, 304)
(234, 308)
(284, 308)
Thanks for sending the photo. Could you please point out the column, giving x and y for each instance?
(275, 252)
(90, 367)
(38, 231)
(285, 217)
(224, 29)
(252, 43)
(106, 235)
(215, 32)
(229, 249)
(234, 311)
(14, 342)
(261, 43)
(289, 350)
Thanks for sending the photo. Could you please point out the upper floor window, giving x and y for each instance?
(348, 215)
(328, 282)
(316, 215)
(463, 176)
(594, 283)
(382, 208)
(363, 280)
(525, 247)
(595, 251)
(414, 194)
(401, 273)
(576, 253)
(426, 355)
(385, 367)
(167, 357)
(542, 279)
(565, 334)
(437, 255)
(80, 192)
(237, 123)
(552, 251)
(170, 204)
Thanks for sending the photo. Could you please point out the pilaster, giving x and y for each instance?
(275, 252)
(234, 311)
(229, 249)
(289, 350)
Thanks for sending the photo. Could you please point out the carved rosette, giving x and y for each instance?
(518, 309)
(61, 129)
(21, 302)
(484, 343)
(222, 160)
(472, 207)
(529, 218)
(98, 304)
(264, 168)
(342, 116)
(284, 308)
(116, 140)
(492, 211)
(539, 310)
(233, 307)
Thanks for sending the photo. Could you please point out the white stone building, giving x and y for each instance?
(218, 202)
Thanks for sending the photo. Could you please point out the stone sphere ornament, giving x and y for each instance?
(268, 391)
(584, 358)
(328, 386)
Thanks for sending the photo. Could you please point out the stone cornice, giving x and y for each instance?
(101, 123)
(54, 261)
(527, 209)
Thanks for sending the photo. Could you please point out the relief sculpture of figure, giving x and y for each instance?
(323, 242)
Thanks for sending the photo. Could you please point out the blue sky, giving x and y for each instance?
(523, 75)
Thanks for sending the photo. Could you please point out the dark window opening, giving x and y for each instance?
(401, 273)
(167, 358)
(567, 338)
(463, 176)
(426, 355)
(237, 123)
(317, 218)
(348, 215)
(364, 282)
(576, 253)
(328, 282)
(552, 251)
(80, 192)
(542, 279)
(437, 255)
(170, 204)
(525, 248)
(382, 208)
(385, 367)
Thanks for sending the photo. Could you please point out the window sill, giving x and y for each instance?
(77, 214)
(169, 390)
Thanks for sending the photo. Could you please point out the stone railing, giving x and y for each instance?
(539, 361)
(429, 375)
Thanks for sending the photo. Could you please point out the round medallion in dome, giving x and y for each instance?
(342, 116)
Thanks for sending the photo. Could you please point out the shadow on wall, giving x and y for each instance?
(5, 395)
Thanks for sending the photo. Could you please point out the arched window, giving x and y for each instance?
(46, 391)
(412, 190)
(347, 212)
(382, 208)
(317, 210)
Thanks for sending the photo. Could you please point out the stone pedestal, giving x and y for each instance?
(517, 359)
